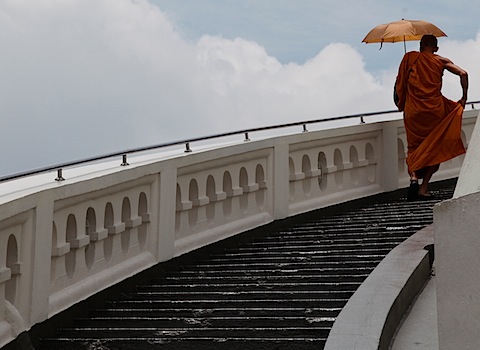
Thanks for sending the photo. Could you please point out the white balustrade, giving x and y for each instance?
(61, 242)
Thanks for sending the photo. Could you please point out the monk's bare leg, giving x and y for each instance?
(429, 171)
(413, 176)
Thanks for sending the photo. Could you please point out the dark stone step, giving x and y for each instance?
(252, 286)
(325, 247)
(343, 233)
(314, 258)
(360, 222)
(319, 278)
(172, 343)
(285, 271)
(240, 303)
(205, 322)
(290, 263)
(363, 240)
(222, 332)
(340, 254)
(219, 312)
(233, 295)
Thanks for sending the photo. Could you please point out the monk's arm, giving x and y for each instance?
(453, 68)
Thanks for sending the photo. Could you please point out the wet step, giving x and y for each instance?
(291, 271)
(186, 343)
(233, 295)
(195, 332)
(209, 303)
(252, 286)
(282, 264)
(206, 321)
(296, 278)
(318, 246)
(337, 238)
(271, 258)
(329, 312)
(305, 253)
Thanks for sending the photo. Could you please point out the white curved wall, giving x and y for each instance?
(61, 242)
(457, 259)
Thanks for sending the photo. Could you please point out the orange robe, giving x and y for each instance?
(433, 123)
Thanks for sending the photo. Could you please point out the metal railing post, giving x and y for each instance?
(124, 160)
(59, 175)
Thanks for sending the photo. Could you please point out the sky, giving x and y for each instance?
(82, 78)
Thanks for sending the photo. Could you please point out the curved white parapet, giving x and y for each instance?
(369, 319)
(468, 180)
(63, 241)
(457, 261)
(457, 245)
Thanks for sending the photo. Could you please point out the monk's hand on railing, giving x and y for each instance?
(463, 101)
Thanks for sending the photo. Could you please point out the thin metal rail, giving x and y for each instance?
(59, 167)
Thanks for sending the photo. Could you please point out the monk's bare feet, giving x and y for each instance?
(423, 191)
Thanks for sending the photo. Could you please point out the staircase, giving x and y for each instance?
(279, 290)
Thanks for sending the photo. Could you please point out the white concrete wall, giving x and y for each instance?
(457, 257)
(61, 242)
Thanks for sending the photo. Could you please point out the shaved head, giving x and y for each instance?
(428, 40)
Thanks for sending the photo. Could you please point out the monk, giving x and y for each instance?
(432, 122)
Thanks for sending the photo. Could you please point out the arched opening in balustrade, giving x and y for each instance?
(307, 181)
(371, 169)
(228, 188)
(401, 157)
(354, 160)
(212, 202)
(322, 165)
(243, 180)
(126, 215)
(143, 212)
(12, 264)
(338, 162)
(291, 183)
(90, 228)
(109, 221)
(260, 180)
(70, 257)
(193, 195)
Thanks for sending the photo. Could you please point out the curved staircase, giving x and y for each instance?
(278, 287)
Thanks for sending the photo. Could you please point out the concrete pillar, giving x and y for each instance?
(42, 257)
(281, 197)
(166, 215)
(389, 157)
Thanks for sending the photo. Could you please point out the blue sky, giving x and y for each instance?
(297, 30)
(82, 78)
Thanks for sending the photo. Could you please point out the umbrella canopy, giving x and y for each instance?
(404, 30)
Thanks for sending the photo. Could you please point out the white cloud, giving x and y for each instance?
(86, 77)
(465, 54)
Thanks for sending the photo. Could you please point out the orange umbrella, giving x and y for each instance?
(404, 30)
